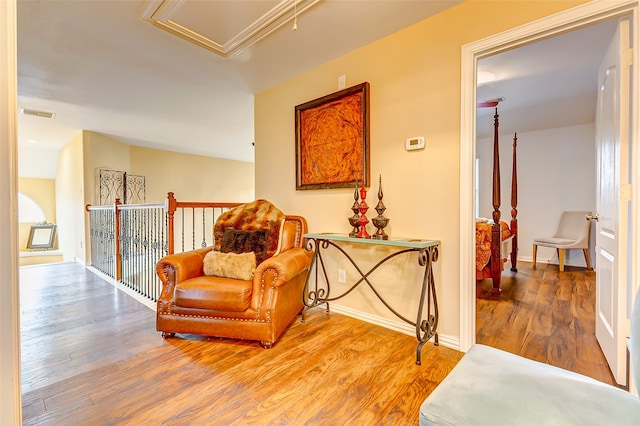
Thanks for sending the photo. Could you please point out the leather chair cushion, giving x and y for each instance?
(214, 293)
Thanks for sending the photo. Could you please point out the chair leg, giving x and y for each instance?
(561, 259)
(587, 259)
(535, 253)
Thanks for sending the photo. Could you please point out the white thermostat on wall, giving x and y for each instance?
(414, 143)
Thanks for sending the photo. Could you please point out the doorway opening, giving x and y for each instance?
(473, 55)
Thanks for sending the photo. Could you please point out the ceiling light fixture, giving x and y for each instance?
(37, 113)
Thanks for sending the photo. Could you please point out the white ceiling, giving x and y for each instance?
(98, 66)
(548, 84)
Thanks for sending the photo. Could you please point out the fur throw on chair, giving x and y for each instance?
(257, 215)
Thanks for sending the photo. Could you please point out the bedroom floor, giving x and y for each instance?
(544, 315)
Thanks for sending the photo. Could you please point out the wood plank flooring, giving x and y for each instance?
(91, 356)
(545, 315)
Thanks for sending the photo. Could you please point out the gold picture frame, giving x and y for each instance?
(332, 140)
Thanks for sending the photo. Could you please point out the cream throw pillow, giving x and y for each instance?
(239, 266)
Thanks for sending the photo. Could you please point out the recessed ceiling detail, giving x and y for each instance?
(223, 27)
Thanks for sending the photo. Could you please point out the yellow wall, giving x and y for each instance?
(43, 192)
(192, 177)
(70, 200)
(102, 152)
(415, 90)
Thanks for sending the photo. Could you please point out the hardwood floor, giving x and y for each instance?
(545, 315)
(91, 356)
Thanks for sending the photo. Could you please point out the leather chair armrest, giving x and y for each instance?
(286, 266)
(178, 267)
(188, 264)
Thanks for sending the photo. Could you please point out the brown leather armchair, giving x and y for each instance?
(258, 308)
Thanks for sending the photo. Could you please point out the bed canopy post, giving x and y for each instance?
(514, 207)
(496, 171)
(496, 231)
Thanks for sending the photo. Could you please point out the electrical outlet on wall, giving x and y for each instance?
(342, 276)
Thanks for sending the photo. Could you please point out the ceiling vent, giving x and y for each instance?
(37, 113)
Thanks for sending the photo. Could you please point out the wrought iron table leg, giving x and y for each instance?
(316, 296)
(426, 329)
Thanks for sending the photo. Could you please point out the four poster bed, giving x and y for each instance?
(495, 240)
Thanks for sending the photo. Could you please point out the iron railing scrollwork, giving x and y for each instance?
(127, 240)
(112, 185)
(142, 244)
(103, 238)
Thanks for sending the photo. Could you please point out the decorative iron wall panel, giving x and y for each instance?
(112, 184)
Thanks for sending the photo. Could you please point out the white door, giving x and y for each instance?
(612, 199)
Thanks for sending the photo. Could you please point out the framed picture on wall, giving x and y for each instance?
(41, 236)
(332, 140)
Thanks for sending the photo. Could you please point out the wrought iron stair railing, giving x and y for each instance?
(127, 240)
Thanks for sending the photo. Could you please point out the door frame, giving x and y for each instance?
(10, 397)
(586, 14)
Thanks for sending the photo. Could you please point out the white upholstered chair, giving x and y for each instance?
(572, 233)
(492, 387)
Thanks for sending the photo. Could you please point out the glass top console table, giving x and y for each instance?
(316, 293)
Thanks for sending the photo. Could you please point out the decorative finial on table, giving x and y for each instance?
(380, 222)
(353, 220)
(362, 208)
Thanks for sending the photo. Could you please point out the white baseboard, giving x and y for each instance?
(402, 327)
(554, 261)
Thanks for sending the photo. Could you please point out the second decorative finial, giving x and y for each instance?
(380, 222)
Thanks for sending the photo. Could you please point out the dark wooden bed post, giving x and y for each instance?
(514, 208)
(496, 230)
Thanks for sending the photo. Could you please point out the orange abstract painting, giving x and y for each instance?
(332, 140)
